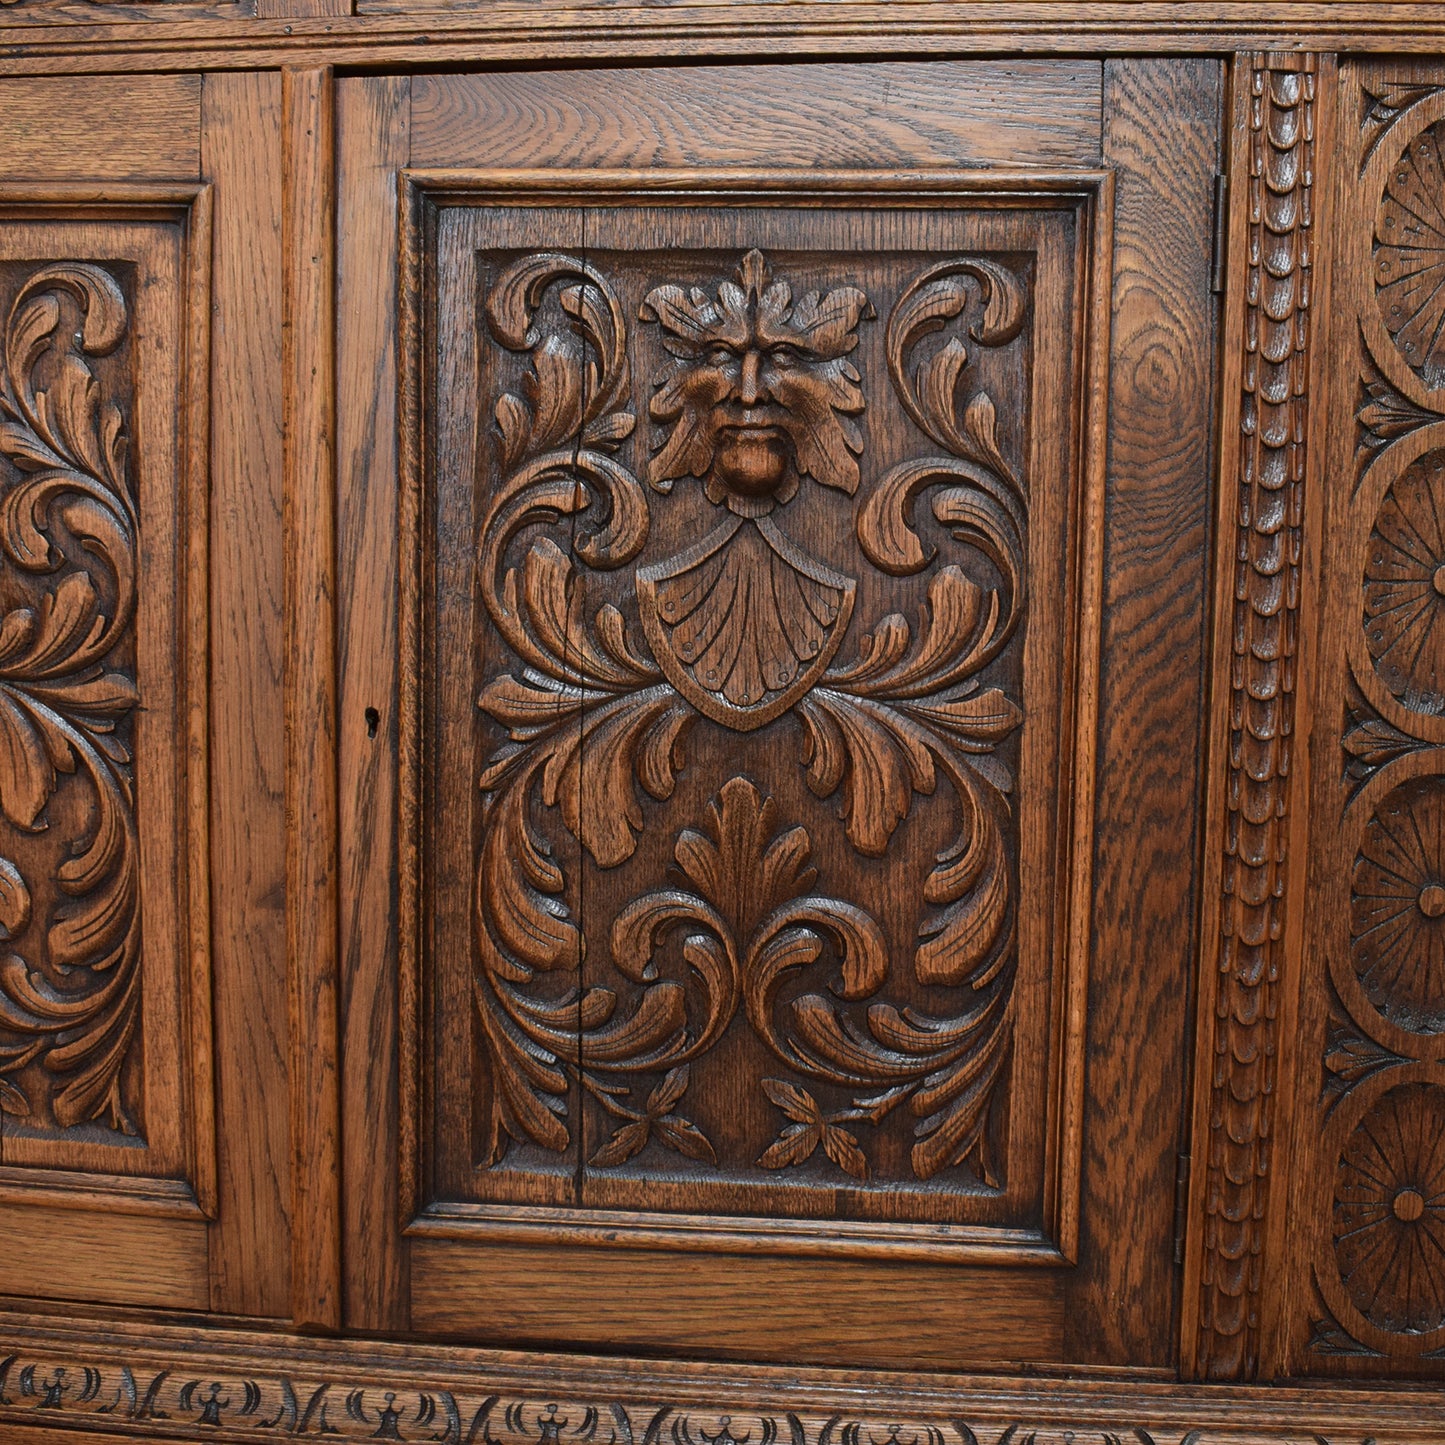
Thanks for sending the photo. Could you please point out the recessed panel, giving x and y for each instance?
(97, 678)
(752, 636)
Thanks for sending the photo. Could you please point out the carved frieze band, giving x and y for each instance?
(350, 1392)
(1276, 293)
(70, 981)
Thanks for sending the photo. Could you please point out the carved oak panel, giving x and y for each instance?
(1370, 1170)
(98, 741)
(752, 656)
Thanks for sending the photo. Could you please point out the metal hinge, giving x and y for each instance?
(1221, 234)
(1181, 1205)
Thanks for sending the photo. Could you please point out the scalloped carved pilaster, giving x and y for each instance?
(1274, 288)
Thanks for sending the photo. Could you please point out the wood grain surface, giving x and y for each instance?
(808, 116)
(372, 145)
(251, 1239)
(548, 35)
(308, 211)
(728, 1307)
(1160, 128)
(239, 1386)
(108, 1258)
(1362, 1251)
(142, 127)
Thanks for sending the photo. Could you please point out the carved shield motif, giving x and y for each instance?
(745, 622)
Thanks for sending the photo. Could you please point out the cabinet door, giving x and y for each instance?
(143, 1070)
(785, 707)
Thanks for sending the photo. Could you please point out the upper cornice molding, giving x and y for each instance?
(38, 36)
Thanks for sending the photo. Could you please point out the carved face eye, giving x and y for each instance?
(720, 355)
(785, 358)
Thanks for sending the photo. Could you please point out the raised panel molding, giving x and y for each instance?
(700, 481)
(103, 1002)
(155, 1383)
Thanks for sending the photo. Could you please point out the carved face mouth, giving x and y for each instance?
(751, 458)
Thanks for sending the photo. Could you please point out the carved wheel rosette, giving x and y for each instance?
(70, 984)
(756, 399)
(1379, 1255)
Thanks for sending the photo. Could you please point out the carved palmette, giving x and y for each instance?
(758, 397)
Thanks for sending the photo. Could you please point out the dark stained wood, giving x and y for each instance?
(308, 210)
(250, 1247)
(733, 1103)
(94, 1008)
(372, 145)
(1160, 127)
(143, 127)
(613, 859)
(824, 116)
(803, 1311)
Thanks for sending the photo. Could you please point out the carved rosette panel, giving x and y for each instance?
(1372, 1100)
(70, 980)
(754, 542)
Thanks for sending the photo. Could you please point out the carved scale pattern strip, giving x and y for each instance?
(1267, 544)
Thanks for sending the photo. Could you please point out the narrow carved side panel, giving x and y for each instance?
(98, 738)
(744, 710)
(70, 991)
(1272, 261)
(1369, 1161)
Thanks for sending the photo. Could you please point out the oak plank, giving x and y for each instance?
(308, 214)
(372, 144)
(801, 1311)
(242, 157)
(108, 127)
(105, 1258)
(1044, 112)
(1161, 120)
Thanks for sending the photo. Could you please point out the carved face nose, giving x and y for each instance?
(750, 387)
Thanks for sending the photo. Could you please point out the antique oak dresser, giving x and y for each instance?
(722, 724)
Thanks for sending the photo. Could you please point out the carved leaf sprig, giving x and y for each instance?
(658, 1119)
(69, 516)
(807, 1130)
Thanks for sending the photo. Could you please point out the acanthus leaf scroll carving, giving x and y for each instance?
(757, 396)
(70, 1005)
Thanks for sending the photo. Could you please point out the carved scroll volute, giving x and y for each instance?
(70, 986)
